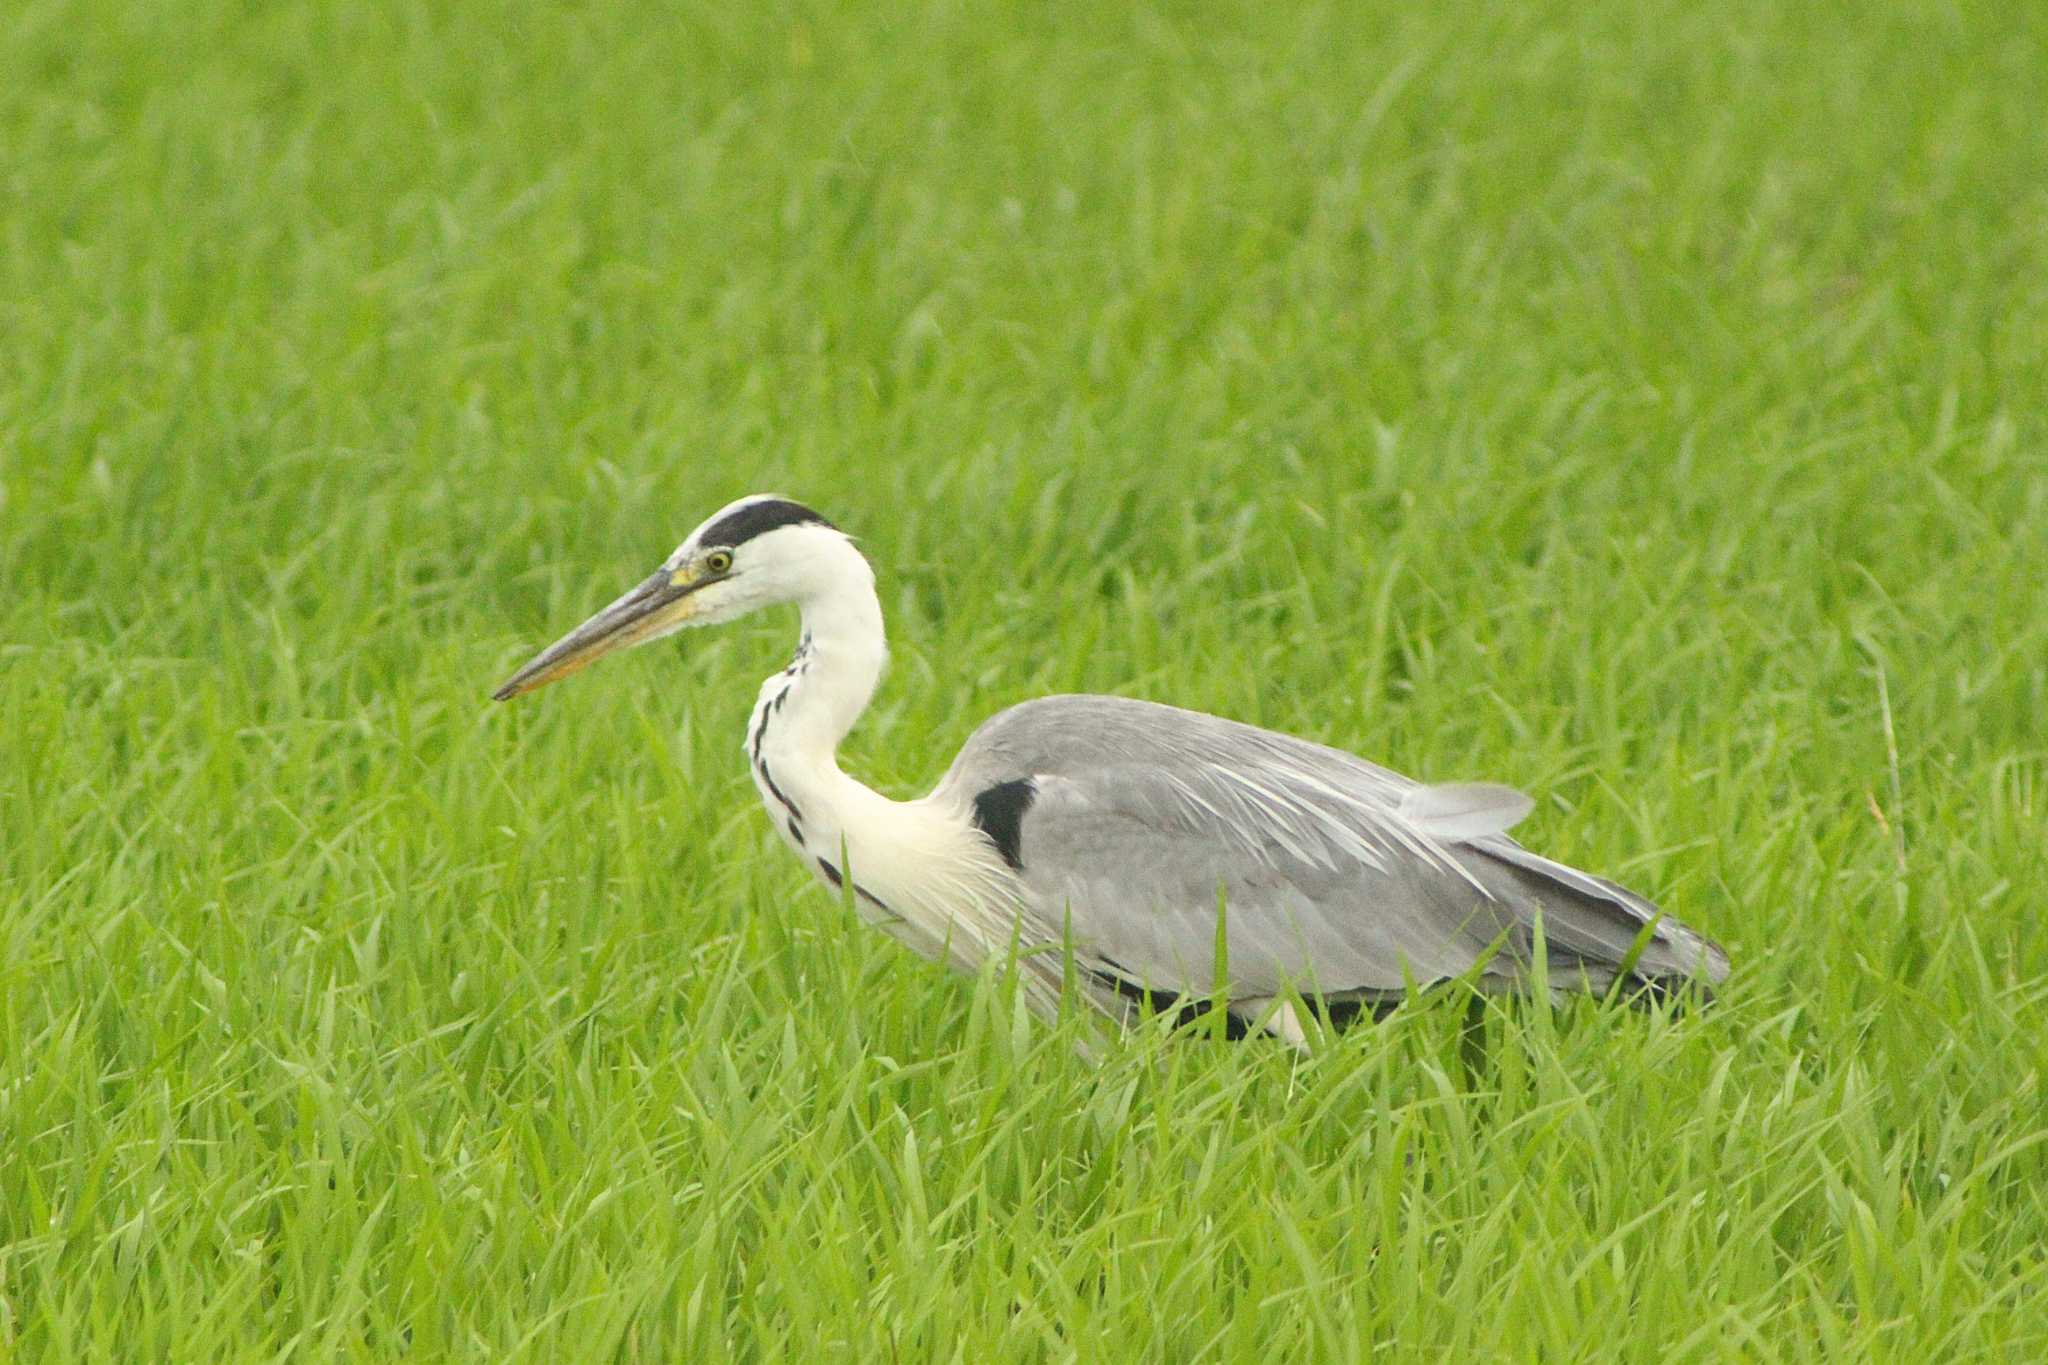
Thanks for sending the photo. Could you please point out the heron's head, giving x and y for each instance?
(750, 554)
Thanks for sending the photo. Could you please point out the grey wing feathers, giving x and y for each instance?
(1336, 875)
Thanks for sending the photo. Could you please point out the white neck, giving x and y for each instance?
(806, 710)
(917, 869)
(833, 675)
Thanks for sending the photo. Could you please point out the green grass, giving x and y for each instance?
(1643, 405)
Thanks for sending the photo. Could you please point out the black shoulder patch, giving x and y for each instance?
(999, 813)
(756, 518)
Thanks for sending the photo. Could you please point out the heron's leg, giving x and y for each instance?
(1277, 1016)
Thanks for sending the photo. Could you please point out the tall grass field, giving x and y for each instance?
(1645, 405)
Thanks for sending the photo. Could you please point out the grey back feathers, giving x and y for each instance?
(1125, 821)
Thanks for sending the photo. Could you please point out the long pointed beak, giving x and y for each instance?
(654, 607)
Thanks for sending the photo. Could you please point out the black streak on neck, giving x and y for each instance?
(834, 876)
(761, 764)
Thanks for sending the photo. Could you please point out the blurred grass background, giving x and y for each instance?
(1639, 404)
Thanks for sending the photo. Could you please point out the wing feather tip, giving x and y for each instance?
(1459, 812)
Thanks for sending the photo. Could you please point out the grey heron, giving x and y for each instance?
(1101, 838)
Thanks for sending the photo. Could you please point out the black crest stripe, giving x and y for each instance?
(757, 518)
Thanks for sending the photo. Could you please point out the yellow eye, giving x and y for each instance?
(719, 561)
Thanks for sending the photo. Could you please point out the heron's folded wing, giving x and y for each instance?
(1135, 864)
(1332, 873)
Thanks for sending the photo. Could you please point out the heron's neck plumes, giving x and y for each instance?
(916, 869)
